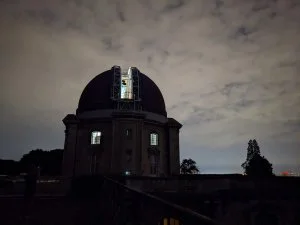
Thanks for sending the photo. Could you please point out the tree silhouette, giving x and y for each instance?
(49, 161)
(252, 150)
(188, 166)
(256, 165)
(9, 167)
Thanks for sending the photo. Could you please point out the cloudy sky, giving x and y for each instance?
(229, 71)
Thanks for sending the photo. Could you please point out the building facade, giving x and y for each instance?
(121, 127)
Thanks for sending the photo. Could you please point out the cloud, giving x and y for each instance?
(229, 70)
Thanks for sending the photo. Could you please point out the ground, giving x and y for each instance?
(50, 210)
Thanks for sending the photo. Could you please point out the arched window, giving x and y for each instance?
(153, 139)
(96, 138)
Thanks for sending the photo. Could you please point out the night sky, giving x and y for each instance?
(229, 71)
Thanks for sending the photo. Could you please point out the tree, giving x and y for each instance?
(188, 166)
(256, 164)
(49, 161)
(9, 167)
(252, 150)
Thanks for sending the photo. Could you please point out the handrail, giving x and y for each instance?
(167, 203)
(145, 199)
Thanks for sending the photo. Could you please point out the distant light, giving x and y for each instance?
(285, 173)
(127, 173)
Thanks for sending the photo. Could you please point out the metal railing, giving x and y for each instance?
(125, 205)
(120, 204)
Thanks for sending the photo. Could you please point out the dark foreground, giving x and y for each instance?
(148, 201)
(50, 210)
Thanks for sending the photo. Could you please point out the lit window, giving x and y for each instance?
(153, 139)
(96, 138)
(171, 221)
(126, 84)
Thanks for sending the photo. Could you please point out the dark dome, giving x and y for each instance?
(97, 94)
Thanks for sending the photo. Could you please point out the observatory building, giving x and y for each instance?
(121, 127)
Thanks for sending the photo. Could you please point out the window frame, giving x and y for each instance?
(129, 134)
(154, 163)
(126, 86)
(128, 155)
(92, 140)
(150, 138)
(93, 163)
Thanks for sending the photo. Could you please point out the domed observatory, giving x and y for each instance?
(121, 127)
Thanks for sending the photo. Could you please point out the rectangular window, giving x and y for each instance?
(154, 164)
(129, 155)
(153, 139)
(126, 85)
(96, 138)
(93, 163)
(128, 133)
